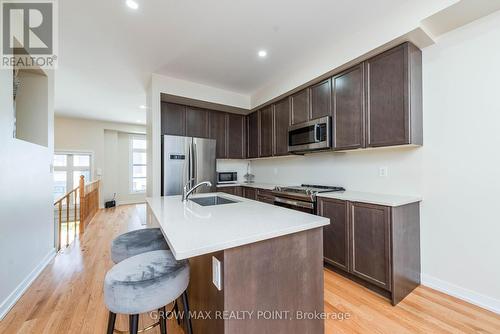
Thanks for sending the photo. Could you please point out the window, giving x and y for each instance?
(67, 170)
(138, 164)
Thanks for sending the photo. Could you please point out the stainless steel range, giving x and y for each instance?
(301, 198)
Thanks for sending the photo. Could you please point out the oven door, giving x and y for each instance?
(293, 204)
(310, 136)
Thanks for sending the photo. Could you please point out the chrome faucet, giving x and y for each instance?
(186, 192)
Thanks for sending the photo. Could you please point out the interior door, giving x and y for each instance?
(176, 152)
(204, 162)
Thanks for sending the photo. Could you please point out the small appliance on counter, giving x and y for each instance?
(249, 177)
(227, 177)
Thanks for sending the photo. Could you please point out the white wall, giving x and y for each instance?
(26, 218)
(105, 140)
(31, 108)
(456, 171)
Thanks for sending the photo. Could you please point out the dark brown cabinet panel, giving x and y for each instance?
(335, 235)
(173, 119)
(266, 132)
(217, 130)
(300, 106)
(196, 122)
(250, 193)
(321, 99)
(236, 132)
(394, 97)
(348, 109)
(237, 191)
(370, 230)
(253, 135)
(281, 124)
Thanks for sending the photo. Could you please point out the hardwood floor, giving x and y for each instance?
(68, 297)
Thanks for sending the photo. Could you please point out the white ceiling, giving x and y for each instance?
(108, 51)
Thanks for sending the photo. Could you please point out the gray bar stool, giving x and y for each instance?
(144, 283)
(137, 242)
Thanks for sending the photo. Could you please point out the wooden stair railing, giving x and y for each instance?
(84, 200)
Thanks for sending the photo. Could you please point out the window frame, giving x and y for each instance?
(133, 150)
(70, 168)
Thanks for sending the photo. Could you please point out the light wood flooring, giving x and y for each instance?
(67, 297)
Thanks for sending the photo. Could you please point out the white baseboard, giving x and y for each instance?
(470, 296)
(11, 300)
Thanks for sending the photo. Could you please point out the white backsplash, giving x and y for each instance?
(239, 166)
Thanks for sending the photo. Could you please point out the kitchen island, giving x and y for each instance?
(270, 278)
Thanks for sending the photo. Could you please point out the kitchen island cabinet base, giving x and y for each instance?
(265, 284)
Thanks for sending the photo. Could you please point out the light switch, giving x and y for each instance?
(217, 273)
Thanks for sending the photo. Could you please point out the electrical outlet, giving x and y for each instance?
(216, 273)
(383, 172)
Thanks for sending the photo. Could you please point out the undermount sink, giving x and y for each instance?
(211, 200)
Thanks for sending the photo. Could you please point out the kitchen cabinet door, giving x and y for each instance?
(370, 230)
(227, 190)
(253, 135)
(281, 124)
(196, 122)
(321, 99)
(300, 106)
(236, 133)
(266, 132)
(173, 119)
(394, 97)
(250, 193)
(348, 109)
(335, 235)
(217, 131)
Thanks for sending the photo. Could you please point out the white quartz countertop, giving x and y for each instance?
(192, 230)
(372, 198)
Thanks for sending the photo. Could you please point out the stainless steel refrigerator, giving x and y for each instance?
(187, 159)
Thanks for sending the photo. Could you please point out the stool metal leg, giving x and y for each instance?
(186, 312)
(111, 322)
(163, 320)
(176, 312)
(133, 323)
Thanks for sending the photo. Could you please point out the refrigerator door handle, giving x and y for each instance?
(195, 167)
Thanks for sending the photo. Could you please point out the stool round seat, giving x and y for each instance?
(137, 242)
(145, 282)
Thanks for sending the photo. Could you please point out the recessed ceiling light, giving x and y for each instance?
(142, 107)
(262, 53)
(132, 4)
(139, 121)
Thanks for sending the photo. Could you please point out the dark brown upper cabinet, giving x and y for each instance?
(266, 132)
(321, 99)
(394, 97)
(217, 130)
(173, 119)
(281, 124)
(300, 106)
(348, 109)
(370, 230)
(236, 133)
(335, 235)
(196, 122)
(253, 135)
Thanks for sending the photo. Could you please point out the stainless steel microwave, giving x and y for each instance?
(227, 177)
(309, 136)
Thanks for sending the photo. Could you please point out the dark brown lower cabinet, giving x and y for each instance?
(336, 250)
(237, 190)
(377, 246)
(250, 193)
(265, 196)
